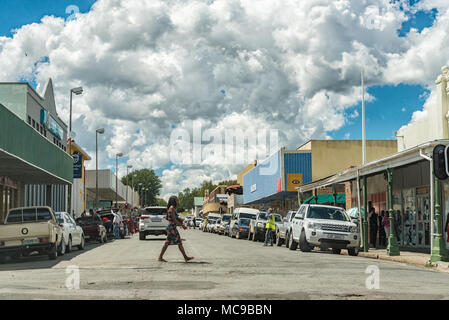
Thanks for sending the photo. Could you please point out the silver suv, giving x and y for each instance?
(323, 226)
(152, 222)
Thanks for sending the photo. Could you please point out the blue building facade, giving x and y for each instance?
(273, 182)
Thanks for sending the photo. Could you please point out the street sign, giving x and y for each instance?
(77, 166)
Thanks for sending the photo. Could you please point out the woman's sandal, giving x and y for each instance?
(188, 259)
(161, 260)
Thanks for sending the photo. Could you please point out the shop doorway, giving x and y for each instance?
(423, 220)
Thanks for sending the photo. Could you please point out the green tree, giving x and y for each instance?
(148, 180)
(161, 202)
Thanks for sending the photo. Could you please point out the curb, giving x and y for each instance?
(439, 266)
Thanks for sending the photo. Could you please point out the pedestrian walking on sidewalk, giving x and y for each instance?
(270, 226)
(173, 237)
(373, 226)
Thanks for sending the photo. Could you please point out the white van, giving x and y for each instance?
(243, 213)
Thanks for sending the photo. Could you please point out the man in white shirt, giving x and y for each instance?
(117, 221)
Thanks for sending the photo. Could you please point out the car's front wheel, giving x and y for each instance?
(304, 246)
(254, 236)
(353, 251)
(293, 243)
(287, 240)
(278, 240)
(142, 236)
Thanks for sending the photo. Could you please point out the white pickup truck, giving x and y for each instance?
(323, 226)
(31, 229)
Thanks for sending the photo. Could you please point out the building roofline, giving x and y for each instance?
(401, 158)
(341, 140)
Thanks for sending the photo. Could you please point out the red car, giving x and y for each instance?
(93, 228)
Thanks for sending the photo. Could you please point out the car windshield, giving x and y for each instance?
(247, 215)
(156, 211)
(327, 214)
(264, 216)
(226, 218)
(244, 222)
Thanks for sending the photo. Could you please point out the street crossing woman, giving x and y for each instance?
(173, 237)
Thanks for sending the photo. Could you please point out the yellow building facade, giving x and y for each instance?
(332, 156)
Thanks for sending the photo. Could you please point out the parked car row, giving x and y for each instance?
(41, 231)
(312, 225)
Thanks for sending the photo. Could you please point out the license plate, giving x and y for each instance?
(335, 236)
(30, 241)
(156, 220)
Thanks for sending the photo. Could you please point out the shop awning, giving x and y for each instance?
(327, 198)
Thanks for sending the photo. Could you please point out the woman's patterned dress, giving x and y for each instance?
(173, 236)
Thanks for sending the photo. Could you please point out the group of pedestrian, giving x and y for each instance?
(379, 225)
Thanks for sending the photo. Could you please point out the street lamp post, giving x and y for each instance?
(98, 131)
(132, 186)
(76, 91)
(140, 195)
(118, 155)
(127, 181)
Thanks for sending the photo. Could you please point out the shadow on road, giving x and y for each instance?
(191, 262)
(42, 261)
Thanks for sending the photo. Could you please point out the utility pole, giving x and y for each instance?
(363, 121)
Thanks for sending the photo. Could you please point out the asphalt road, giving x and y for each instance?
(223, 268)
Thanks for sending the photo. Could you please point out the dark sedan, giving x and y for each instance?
(240, 228)
(93, 228)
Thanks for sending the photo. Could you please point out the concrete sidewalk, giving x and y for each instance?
(415, 258)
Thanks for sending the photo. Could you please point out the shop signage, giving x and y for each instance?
(294, 180)
(51, 124)
(77, 166)
(253, 188)
(222, 197)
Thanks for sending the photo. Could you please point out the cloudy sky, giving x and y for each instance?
(151, 67)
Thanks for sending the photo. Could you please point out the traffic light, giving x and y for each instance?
(440, 162)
